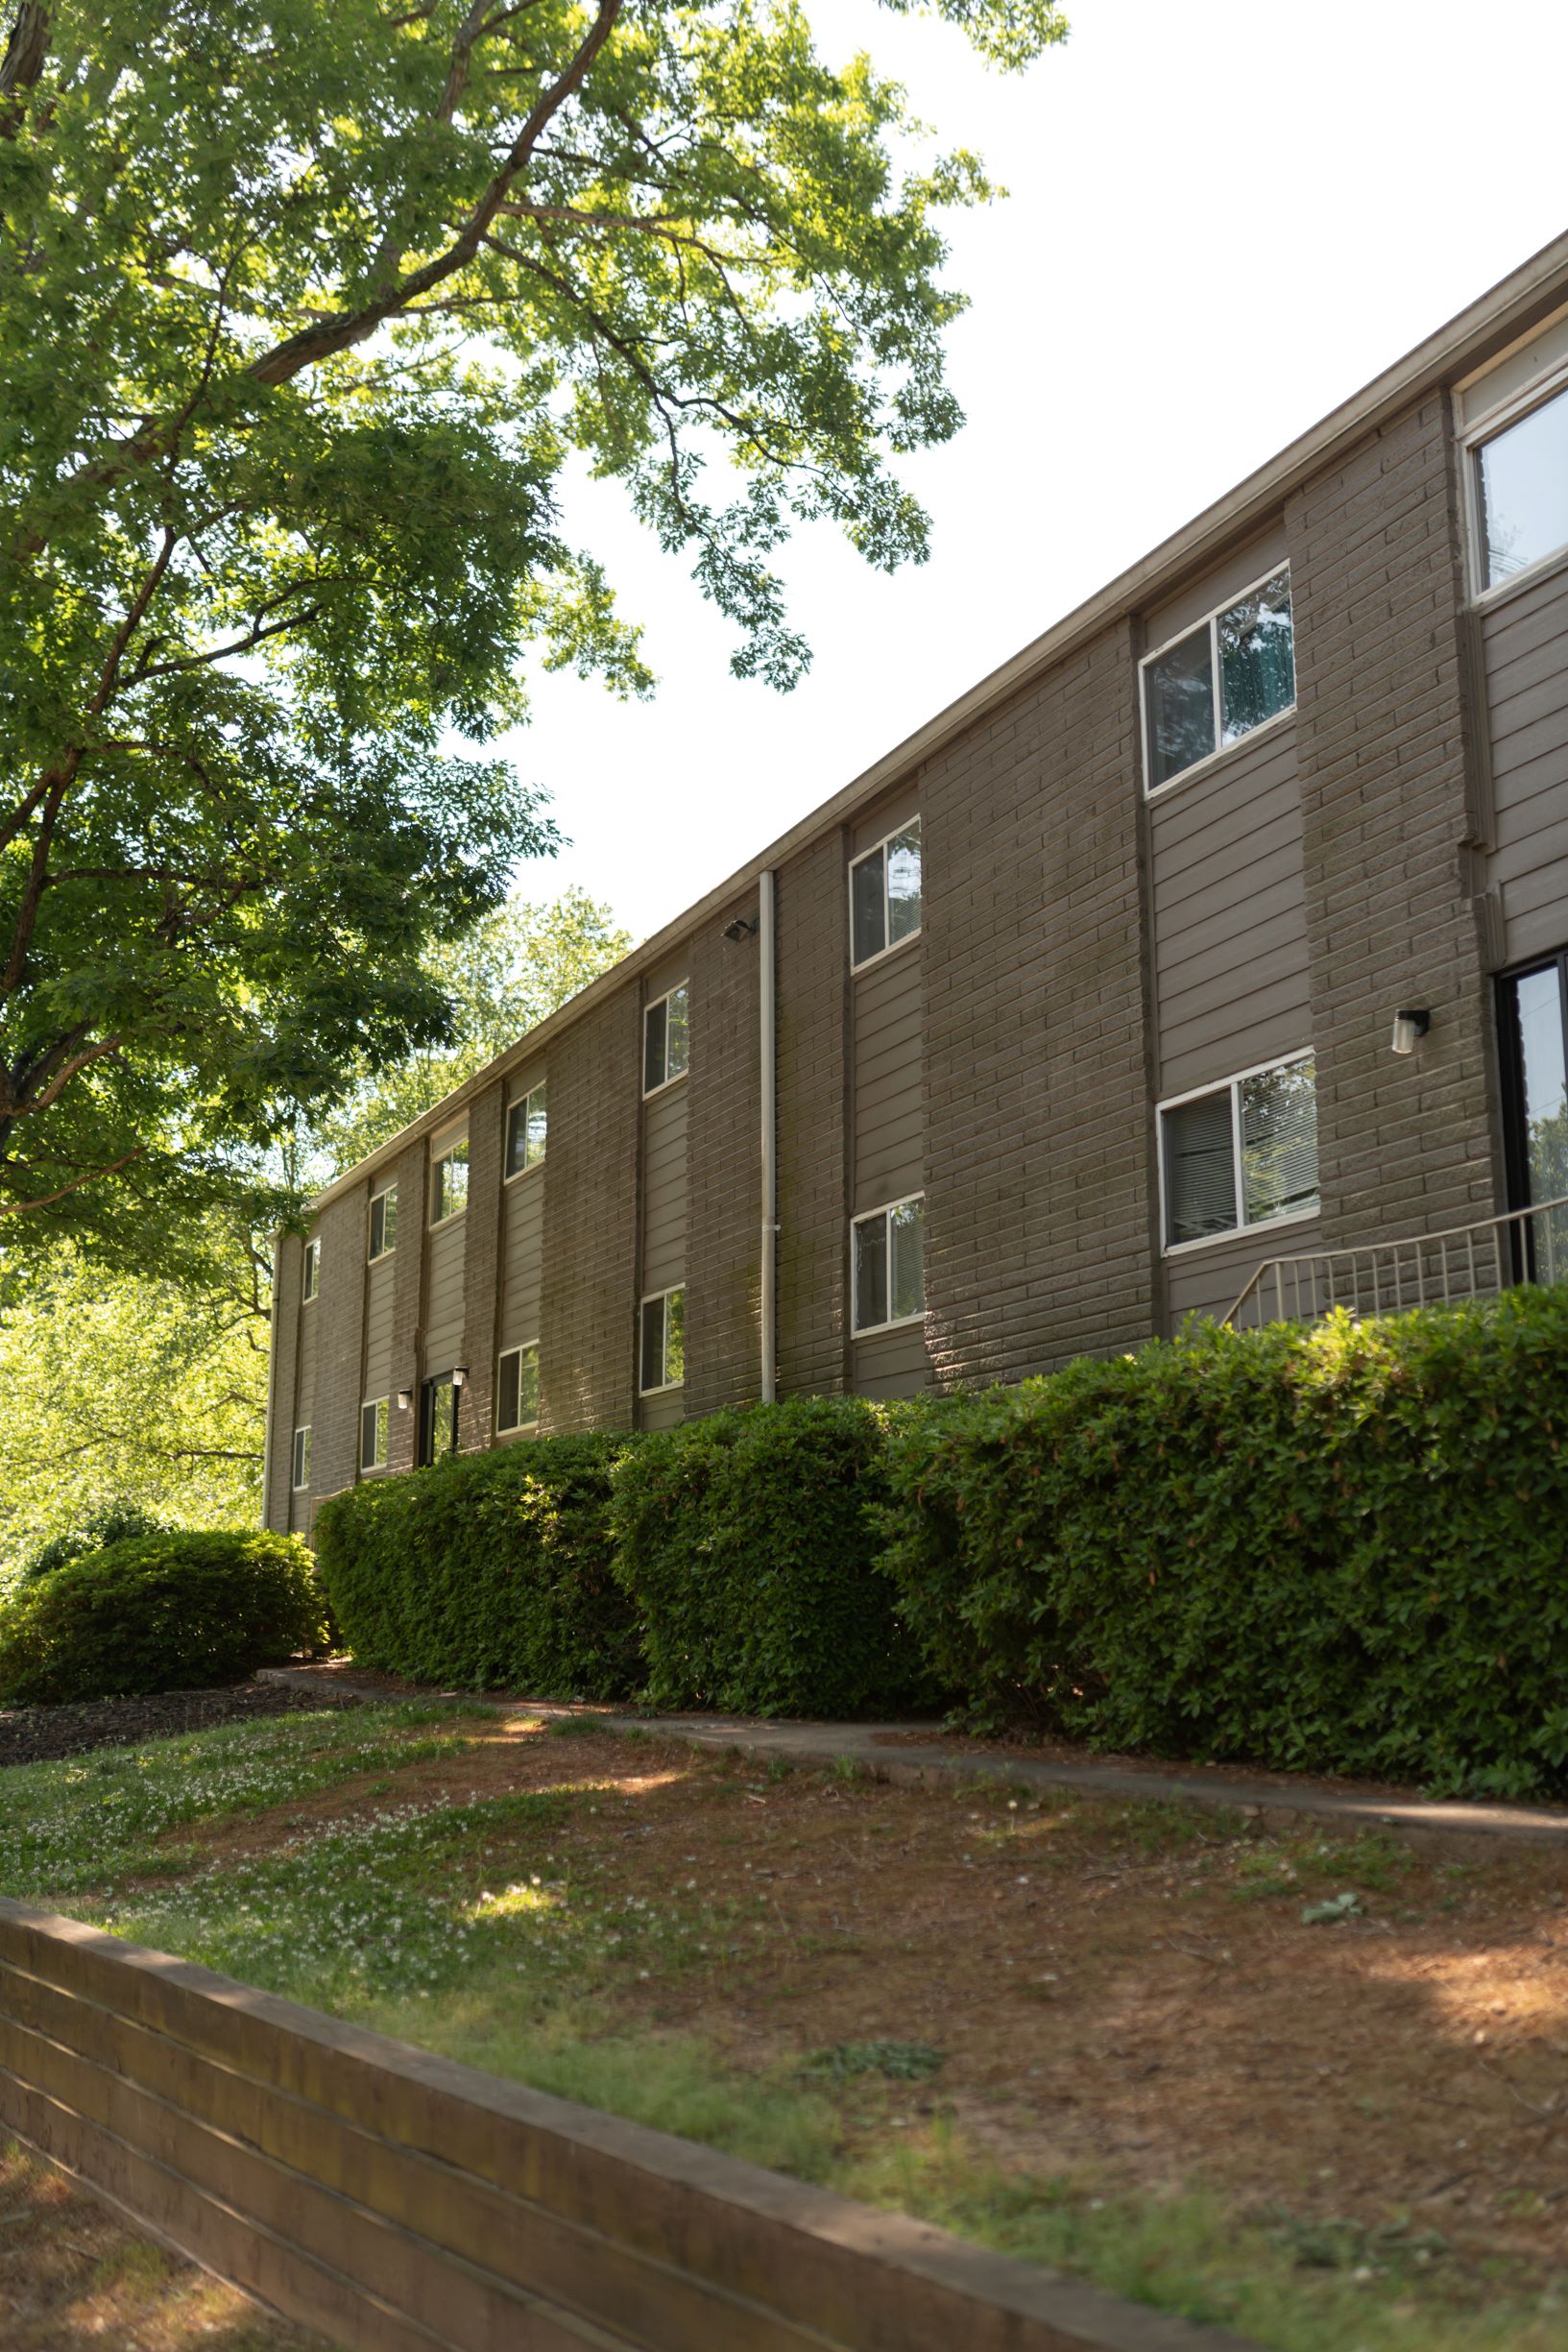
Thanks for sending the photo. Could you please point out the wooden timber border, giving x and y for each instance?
(399, 2202)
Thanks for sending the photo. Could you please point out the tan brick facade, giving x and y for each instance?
(587, 1330)
(723, 1168)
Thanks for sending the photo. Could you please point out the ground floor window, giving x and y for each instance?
(887, 1247)
(662, 1351)
(517, 1388)
(1240, 1154)
(438, 1418)
(374, 1422)
(1535, 1025)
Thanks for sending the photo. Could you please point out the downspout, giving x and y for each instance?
(274, 1317)
(768, 994)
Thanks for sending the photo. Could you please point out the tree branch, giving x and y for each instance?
(14, 1208)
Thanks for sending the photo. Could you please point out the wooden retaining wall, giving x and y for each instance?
(401, 2203)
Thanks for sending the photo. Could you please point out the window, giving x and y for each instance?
(517, 1388)
(1233, 672)
(301, 1459)
(313, 1266)
(884, 894)
(665, 1039)
(662, 1363)
(438, 1418)
(450, 1181)
(1535, 1093)
(526, 1125)
(889, 1264)
(375, 1420)
(1521, 483)
(1241, 1154)
(385, 1224)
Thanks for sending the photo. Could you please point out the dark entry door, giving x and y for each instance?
(438, 1418)
(1535, 1082)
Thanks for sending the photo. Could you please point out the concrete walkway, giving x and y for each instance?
(893, 1752)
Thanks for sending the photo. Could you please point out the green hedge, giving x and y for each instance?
(172, 1611)
(746, 1542)
(488, 1569)
(94, 1534)
(1338, 1549)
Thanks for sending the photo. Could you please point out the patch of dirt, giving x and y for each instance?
(74, 2275)
(1043, 1748)
(37, 1735)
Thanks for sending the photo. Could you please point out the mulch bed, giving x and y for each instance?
(32, 1734)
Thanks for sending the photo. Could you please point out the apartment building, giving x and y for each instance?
(1225, 924)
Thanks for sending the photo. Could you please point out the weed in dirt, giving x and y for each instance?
(578, 1727)
(898, 2061)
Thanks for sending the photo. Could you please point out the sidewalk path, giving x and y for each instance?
(896, 1752)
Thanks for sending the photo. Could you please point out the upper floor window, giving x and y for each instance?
(450, 1181)
(517, 1388)
(313, 1267)
(525, 1130)
(1522, 490)
(1206, 689)
(1241, 1154)
(383, 1223)
(884, 894)
(667, 1044)
(661, 1350)
(889, 1271)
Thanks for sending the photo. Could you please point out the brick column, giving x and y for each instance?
(407, 1304)
(283, 1376)
(481, 1268)
(588, 1309)
(1382, 685)
(813, 1245)
(1038, 1136)
(723, 1170)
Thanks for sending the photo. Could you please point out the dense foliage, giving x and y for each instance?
(95, 1533)
(1335, 1549)
(488, 1569)
(304, 311)
(171, 1612)
(745, 1542)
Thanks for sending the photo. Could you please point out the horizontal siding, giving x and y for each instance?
(444, 1298)
(663, 1410)
(893, 1363)
(664, 1189)
(889, 1027)
(523, 1258)
(378, 1289)
(1208, 1281)
(1525, 649)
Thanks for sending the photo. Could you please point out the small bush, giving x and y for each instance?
(1335, 1549)
(171, 1612)
(114, 1525)
(746, 1542)
(487, 1570)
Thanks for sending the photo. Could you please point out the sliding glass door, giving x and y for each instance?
(1535, 1087)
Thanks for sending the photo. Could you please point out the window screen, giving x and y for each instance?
(517, 1388)
(374, 1424)
(1230, 674)
(886, 894)
(526, 1126)
(1524, 490)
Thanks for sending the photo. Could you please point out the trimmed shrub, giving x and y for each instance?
(745, 1542)
(96, 1532)
(487, 1570)
(171, 1612)
(1337, 1549)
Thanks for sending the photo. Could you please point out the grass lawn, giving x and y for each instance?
(1309, 2088)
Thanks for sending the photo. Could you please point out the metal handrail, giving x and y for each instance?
(1443, 1283)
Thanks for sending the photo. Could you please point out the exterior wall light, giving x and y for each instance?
(1410, 1023)
(460, 1376)
(405, 1397)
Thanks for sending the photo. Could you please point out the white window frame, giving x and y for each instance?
(895, 947)
(310, 1273)
(1497, 421)
(380, 1405)
(676, 1290)
(373, 1256)
(520, 1102)
(448, 1145)
(670, 1079)
(298, 1484)
(1211, 622)
(1218, 1086)
(516, 1429)
(894, 1323)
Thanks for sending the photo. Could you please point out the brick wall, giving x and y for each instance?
(1382, 685)
(812, 982)
(723, 1169)
(288, 1259)
(340, 1338)
(1039, 1177)
(591, 1193)
(481, 1267)
(407, 1304)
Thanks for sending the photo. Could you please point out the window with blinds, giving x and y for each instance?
(1241, 1154)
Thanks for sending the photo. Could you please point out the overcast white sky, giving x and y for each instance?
(1225, 215)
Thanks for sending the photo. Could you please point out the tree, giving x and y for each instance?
(301, 310)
